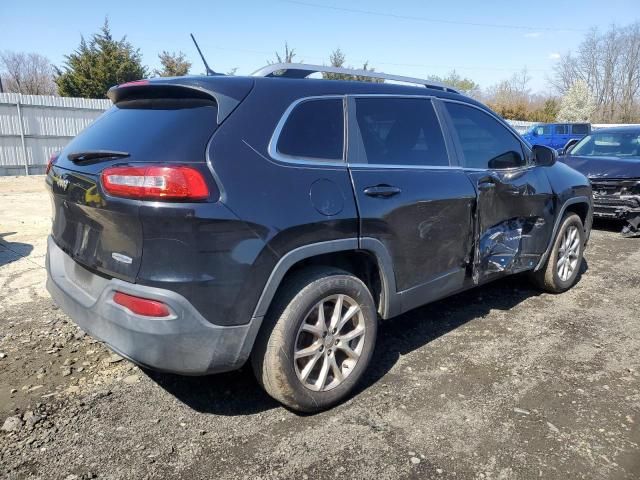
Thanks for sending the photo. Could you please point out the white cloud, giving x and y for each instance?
(533, 35)
(554, 56)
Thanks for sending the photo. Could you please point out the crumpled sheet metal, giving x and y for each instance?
(500, 247)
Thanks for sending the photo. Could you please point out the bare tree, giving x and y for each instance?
(630, 72)
(609, 63)
(286, 57)
(28, 73)
(338, 59)
(511, 98)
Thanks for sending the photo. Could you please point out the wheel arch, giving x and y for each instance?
(367, 258)
(581, 209)
(579, 205)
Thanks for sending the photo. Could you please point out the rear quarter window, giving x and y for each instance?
(580, 129)
(314, 130)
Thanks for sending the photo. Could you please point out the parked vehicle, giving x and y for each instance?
(556, 135)
(610, 158)
(278, 218)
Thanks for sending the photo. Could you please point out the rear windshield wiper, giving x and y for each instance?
(96, 154)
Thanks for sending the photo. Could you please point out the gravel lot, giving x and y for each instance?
(498, 383)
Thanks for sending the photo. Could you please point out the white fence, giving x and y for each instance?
(32, 127)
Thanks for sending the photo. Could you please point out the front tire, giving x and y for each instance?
(560, 271)
(317, 340)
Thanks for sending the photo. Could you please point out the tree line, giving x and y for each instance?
(599, 82)
(89, 71)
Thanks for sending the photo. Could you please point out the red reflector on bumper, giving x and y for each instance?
(142, 306)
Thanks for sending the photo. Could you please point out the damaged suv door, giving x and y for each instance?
(514, 215)
(410, 198)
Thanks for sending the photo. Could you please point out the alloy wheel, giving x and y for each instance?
(568, 253)
(329, 342)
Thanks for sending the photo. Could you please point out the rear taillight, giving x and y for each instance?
(155, 183)
(52, 161)
(142, 306)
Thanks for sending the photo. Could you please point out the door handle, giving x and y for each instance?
(383, 191)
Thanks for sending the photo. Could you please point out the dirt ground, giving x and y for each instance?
(497, 383)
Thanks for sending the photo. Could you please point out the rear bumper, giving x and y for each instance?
(183, 343)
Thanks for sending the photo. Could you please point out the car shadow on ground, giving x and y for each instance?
(607, 224)
(414, 329)
(238, 393)
(12, 251)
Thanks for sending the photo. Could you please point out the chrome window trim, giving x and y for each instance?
(387, 166)
(272, 148)
(525, 148)
(320, 162)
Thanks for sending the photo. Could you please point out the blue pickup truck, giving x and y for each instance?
(556, 135)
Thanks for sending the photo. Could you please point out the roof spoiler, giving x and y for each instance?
(226, 98)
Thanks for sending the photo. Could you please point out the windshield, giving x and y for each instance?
(609, 144)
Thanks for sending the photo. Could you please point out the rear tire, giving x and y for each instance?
(317, 339)
(560, 271)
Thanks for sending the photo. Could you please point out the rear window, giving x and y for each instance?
(152, 130)
(314, 130)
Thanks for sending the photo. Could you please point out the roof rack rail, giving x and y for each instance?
(303, 70)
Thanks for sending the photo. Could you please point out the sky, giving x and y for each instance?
(487, 41)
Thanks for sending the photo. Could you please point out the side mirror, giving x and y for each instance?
(544, 156)
(568, 146)
(506, 160)
(534, 132)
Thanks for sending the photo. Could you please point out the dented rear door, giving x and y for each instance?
(514, 208)
(409, 196)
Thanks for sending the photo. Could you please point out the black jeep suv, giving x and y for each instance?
(205, 221)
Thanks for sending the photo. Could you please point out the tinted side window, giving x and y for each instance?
(580, 129)
(486, 143)
(562, 129)
(314, 129)
(543, 130)
(400, 131)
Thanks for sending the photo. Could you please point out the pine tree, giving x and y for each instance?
(173, 64)
(99, 64)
